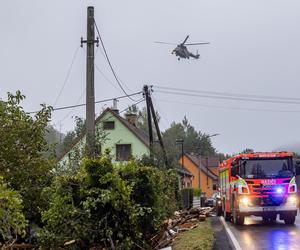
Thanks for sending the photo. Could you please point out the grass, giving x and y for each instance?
(199, 238)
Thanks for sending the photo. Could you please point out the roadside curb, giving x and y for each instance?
(232, 240)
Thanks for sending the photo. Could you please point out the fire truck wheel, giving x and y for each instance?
(289, 219)
(238, 218)
(219, 211)
(265, 220)
(273, 218)
(227, 216)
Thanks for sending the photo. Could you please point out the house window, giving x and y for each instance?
(109, 125)
(123, 152)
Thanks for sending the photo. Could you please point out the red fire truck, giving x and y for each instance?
(260, 184)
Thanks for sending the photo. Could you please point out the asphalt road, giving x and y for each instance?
(257, 235)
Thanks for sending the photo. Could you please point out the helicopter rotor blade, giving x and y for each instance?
(187, 37)
(165, 43)
(196, 43)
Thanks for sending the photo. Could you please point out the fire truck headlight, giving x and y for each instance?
(292, 200)
(245, 201)
(279, 190)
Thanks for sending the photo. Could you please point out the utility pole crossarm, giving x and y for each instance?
(82, 41)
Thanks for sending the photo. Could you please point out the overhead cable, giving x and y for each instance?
(101, 72)
(84, 104)
(229, 107)
(227, 93)
(71, 111)
(109, 63)
(136, 103)
(226, 97)
(107, 118)
(67, 76)
(105, 77)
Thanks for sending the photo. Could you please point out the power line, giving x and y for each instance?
(227, 93)
(82, 94)
(84, 104)
(136, 103)
(105, 77)
(101, 72)
(109, 63)
(228, 107)
(163, 117)
(67, 76)
(71, 111)
(107, 118)
(226, 97)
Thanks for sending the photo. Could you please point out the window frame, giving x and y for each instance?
(109, 128)
(130, 153)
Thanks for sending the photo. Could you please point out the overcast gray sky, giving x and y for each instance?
(255, 49)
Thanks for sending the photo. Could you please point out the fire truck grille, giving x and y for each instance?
(266, 188)
(268, 201)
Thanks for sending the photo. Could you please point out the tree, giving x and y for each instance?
(23, 164)
(71, 136)
(54, 140)
(247, 151)
(66, 143)
(142, 118)
(77, 151)
(52, 136)
(105, 206)
(193, 141)
(12, 219)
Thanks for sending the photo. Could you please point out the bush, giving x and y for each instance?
(153, 189)
(23, 162)
(108, 206)
(12, 219)
(196, 192)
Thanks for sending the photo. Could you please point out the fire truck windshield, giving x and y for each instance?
(267, 168)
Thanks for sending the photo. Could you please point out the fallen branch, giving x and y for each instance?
(183, 220)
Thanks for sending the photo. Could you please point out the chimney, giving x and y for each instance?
(115, 106)
(131, 118)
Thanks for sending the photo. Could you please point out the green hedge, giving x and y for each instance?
(196, 192)
(12, 219)
(108, 206)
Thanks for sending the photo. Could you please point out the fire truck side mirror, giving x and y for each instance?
(235, 170)
(297, 167)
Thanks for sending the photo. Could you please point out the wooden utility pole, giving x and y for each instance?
(90, 89)
(147, 97)
(152, 115)
(159, 133)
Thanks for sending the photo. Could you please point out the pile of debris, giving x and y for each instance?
(183, 220)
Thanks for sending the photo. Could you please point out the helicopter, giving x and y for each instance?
(181, 50)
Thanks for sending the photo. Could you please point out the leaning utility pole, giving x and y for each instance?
(147, 97)
(152, 115)
(90, 89)
(159, 133)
